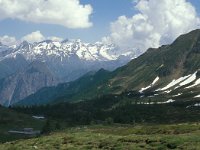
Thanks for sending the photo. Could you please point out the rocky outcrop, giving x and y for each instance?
(25, 82)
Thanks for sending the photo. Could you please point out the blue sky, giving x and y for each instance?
(104, 12)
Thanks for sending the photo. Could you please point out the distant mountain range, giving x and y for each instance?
(170, 72)
(53, 62)
(69, 59)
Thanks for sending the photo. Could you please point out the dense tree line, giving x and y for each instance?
(117, 109)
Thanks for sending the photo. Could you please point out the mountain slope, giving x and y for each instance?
(25, 82)
(10, 66)
(68, 91)
(150, 72)
(70, 59)
(167, 62)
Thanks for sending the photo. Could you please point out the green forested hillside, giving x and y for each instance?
(83, 88)
(120, 109)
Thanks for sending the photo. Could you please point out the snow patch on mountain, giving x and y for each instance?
(198, 96)
(166, 102)
(155, 80)
(152, 84)
(179, 94)
(197, 105)
(167, 91)
(188, 80)
(173, 83)
(197, 82)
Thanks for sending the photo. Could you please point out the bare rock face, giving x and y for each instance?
(10, 66)
(25, 82)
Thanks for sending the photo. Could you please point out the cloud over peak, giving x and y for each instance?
(8, 40)
(33, 37)
(156, 23)
(68, 13)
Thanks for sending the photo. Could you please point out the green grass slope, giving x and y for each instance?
(180, 58)
(181, 136)
(12, 120)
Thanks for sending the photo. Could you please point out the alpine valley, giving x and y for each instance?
(152, 102)
(164, 75)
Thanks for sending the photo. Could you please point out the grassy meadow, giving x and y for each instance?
(179, 136)
(12, 120)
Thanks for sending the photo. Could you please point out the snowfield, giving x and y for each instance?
(173, 83)
(180, 82)
(166, 102)
(152, 84)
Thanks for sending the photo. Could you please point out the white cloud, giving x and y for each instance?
(68, 13)
(33, 37)
(155, 24)
(36, 36)
(55, 38)
(8, 40)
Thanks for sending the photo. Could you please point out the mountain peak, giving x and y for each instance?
(65, 41)
(46, 41)
(188, 36)
(25, 42)
(24, 45)
(69, 59)
(196, 30)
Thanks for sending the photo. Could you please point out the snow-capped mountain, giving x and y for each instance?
(4, 49)
(65, 50)
(51, 62)
(70, 59)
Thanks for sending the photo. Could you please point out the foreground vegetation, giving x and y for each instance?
(180, 136)
(102, 124)
(123, 121)
(12, 120)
